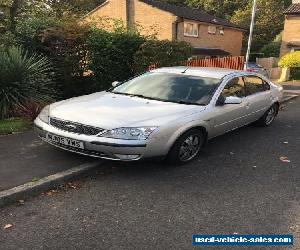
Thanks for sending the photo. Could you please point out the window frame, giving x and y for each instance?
(191, 23)
(210, 32)
(264, 83)
(221, 31)
(244, 86)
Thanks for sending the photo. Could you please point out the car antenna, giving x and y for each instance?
(185, 70)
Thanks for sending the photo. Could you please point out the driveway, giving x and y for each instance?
(238, 185)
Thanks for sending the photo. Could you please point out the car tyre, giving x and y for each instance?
(269, 116)
(186, 148)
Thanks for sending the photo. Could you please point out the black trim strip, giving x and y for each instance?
(119, 145)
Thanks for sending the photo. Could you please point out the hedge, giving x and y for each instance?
(291, 60)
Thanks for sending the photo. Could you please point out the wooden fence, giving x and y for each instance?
(234, 62)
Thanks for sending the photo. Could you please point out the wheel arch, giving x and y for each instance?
(202, 128)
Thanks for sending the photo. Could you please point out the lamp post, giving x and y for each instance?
(251, 33)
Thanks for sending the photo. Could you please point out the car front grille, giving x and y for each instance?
(74, 127)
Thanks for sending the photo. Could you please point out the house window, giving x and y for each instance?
(212, 29)
(221, 30)
(191, 29)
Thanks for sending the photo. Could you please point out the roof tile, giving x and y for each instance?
(293, 9)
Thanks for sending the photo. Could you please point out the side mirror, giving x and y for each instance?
(115, 83)
(233, 100)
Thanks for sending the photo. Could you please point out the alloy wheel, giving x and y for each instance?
(271, 115)
(189, 148)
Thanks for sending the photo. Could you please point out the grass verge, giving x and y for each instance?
(12, 126)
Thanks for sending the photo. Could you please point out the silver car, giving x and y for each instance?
(167, 112)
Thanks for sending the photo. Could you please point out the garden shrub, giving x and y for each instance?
(27, 31)
(271, 50)
(23, 76)
(65, 46)
(111, 54)
(162, 53)
(29, 110)
(295, 74)
(291, 60)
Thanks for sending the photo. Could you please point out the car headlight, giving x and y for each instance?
(44, 115)
(129, 133)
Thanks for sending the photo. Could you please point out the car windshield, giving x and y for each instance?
(179, 88)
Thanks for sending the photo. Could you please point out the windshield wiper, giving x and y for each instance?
(159, 99)
(190, 103)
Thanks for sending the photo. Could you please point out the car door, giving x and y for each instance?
(227, 117)
(258, 96)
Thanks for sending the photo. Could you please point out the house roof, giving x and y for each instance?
(293, 9)
(191, 13)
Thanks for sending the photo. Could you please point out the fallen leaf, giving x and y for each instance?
(7, 226)
(254, 166)
(285, 142)
(284, 159)
(231, 153)
(21, 202)
(35, 179)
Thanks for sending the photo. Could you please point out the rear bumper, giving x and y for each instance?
(105, 148)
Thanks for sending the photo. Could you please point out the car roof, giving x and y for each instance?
(217, 73)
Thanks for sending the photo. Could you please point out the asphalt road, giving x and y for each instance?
(25, 157)
(238, 185)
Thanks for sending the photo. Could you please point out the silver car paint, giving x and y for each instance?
(109, 111)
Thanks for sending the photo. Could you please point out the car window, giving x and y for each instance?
(253, 85)
(171, 87)
(234, 87)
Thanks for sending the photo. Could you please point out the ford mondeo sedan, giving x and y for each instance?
(167, 112)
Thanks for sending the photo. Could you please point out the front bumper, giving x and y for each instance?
(106, 148)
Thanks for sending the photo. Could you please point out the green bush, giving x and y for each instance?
(291, 60)
(65, 46)
(28, 31)
(23, 77)
(111, 54)
(271, 50)
(295, 74)
(162, 53)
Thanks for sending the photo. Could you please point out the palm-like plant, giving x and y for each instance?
(23, 76)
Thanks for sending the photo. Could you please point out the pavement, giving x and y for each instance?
(240, 184)
(24, 157)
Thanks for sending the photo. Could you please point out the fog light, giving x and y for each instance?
(127, 157)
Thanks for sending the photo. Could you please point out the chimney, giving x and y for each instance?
(130, 13)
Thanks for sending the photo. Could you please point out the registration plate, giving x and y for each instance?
(65, 141)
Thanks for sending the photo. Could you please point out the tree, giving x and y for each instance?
(269, 21)
(77, 7)
(219, 8)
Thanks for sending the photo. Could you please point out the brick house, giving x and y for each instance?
(291, 32)
(208, 35)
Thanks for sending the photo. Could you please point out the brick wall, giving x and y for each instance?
(155, 21)
(291, 32)
(105, 13)
(231, 41)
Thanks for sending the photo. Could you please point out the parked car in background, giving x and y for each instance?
(167, 112)
(256, 68)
